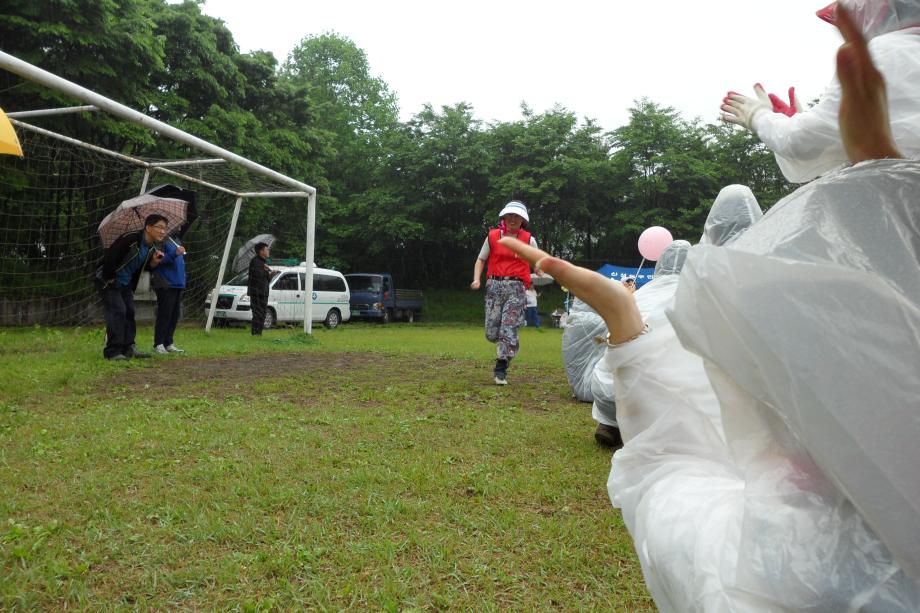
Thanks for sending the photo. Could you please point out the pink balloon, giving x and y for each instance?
(653, 241)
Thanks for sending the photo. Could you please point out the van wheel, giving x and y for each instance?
(270, 318)
(385, 319)
(333, 319)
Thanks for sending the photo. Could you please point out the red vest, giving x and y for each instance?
(505, 263)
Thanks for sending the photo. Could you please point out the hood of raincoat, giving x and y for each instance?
(672, 259)
(735, 210)
(877, 17)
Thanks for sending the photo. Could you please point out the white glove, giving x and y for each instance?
(741, 110)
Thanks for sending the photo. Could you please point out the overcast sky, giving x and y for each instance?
(593, 58)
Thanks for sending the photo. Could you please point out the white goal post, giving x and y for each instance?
(280, 186)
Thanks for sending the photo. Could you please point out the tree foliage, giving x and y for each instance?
(414, 197)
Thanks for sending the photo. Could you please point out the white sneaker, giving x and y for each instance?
(160, 349)
(501, 381)
(174, 349)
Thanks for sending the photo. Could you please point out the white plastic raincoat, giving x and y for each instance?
(651, 298)
(734, 210)
(808, 144)
(810, 328)
(580, 351)
(814, 356)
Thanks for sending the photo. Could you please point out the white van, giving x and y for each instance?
(286, 297)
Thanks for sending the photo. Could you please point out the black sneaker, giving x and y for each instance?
(608, 436)
(501, 372)
(132, 352)
(118, 357)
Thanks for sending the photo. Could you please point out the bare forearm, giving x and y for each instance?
(478, 267)
(610, 299)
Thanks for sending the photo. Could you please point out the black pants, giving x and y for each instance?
(259, 304)
(169, 303)
(120, 330)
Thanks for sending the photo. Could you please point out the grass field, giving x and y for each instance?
(363, 468)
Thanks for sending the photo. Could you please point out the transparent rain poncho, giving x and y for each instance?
(809, 325)
(651, 299)
(672, 259)
(808, 144)
(604, 407)
(581, 351)
(734, 210)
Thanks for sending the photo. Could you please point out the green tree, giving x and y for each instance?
(742, 158)
(669, 173)
(559, 169)
(356, 111)
(439, 166)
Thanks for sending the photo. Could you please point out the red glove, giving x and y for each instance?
(779, 106)
(828, 13)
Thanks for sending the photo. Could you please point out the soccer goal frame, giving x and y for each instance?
(97, 102)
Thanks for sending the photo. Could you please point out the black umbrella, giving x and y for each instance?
(246, 252)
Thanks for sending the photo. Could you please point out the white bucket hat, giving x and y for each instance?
(517, 208)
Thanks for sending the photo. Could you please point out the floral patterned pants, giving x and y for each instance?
(505, 306)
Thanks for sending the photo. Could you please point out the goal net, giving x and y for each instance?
(53, 199)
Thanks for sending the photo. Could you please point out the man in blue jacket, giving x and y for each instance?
(168, 281)
(122, 265)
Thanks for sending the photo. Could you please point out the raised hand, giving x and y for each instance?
(741, 110)
(864, 123)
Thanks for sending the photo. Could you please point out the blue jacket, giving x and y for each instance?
(124, 260)
(171, 271)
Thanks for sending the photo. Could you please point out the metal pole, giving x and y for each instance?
(223, 264)
(198, 181)
(274, 194)
(34, 73)
(59, 111)
(308, 278)
(79, 143)
(186, 163)
(144, 182)
(142, 163)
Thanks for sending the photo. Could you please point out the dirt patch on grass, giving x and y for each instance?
(238, 375)
(176, 372)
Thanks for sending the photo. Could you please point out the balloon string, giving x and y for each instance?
(638, 269)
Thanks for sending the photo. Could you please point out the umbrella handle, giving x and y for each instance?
(173, 241)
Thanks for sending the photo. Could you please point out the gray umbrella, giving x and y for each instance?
(246, 253)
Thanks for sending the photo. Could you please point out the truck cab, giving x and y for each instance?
(374, 296)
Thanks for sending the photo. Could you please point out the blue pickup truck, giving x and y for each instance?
(374, 296)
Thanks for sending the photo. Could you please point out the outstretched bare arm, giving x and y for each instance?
(610, 299)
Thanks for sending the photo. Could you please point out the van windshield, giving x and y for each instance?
(365, 283)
